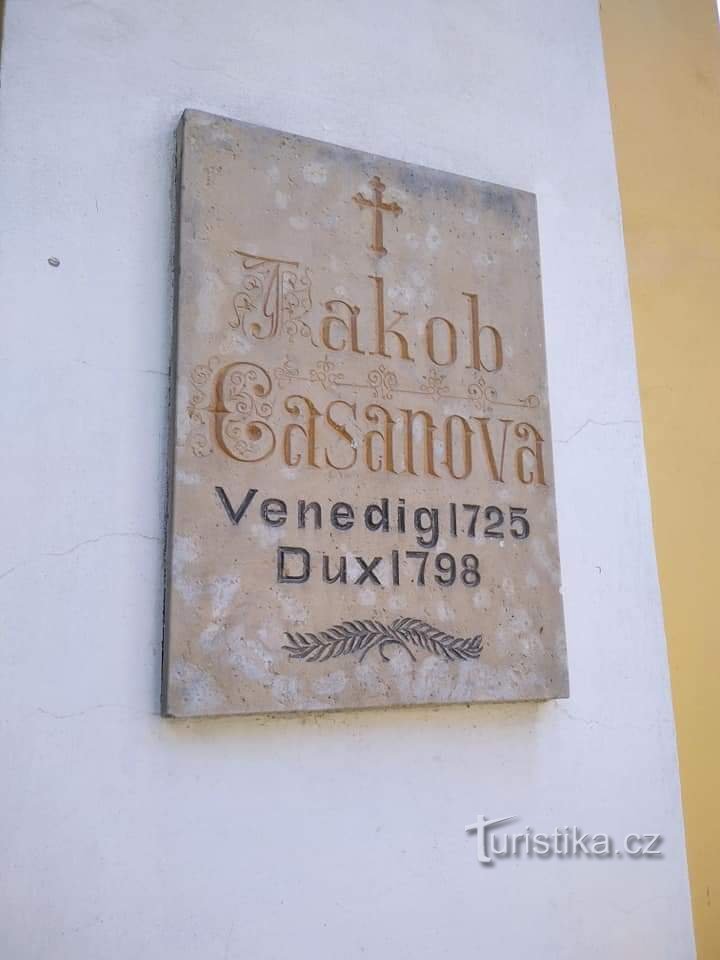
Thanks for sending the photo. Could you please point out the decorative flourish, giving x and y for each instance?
(362, 636)
(435, 384)
(286, 373)
(296, 302)
(485, 397)
(323, 374)
(198, 408)
(277, 289)
(383, 382)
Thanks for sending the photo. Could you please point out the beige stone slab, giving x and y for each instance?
(362, 510)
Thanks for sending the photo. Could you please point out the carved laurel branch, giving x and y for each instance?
(362, 636)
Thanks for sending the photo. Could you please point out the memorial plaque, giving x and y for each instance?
(362, 510)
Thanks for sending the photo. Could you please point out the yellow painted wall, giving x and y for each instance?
(663, 63)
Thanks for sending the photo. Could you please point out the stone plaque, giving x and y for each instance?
(362, 508)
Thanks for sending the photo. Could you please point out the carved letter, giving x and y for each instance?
(341, 432)
(523, 431)
(452, 341)
(283, 574)
(349, 325)
(241, 409)
(309, 432)
(466, 446)
(381, 330)
(235, 516)
(387, 461)
(428, 429)
(497, 468)
(476, 332)
(341, 574)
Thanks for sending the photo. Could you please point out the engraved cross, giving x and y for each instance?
(378, 207)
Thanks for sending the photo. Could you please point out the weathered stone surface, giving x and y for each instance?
(363, 509)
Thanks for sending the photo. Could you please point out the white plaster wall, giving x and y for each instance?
(123, 834)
